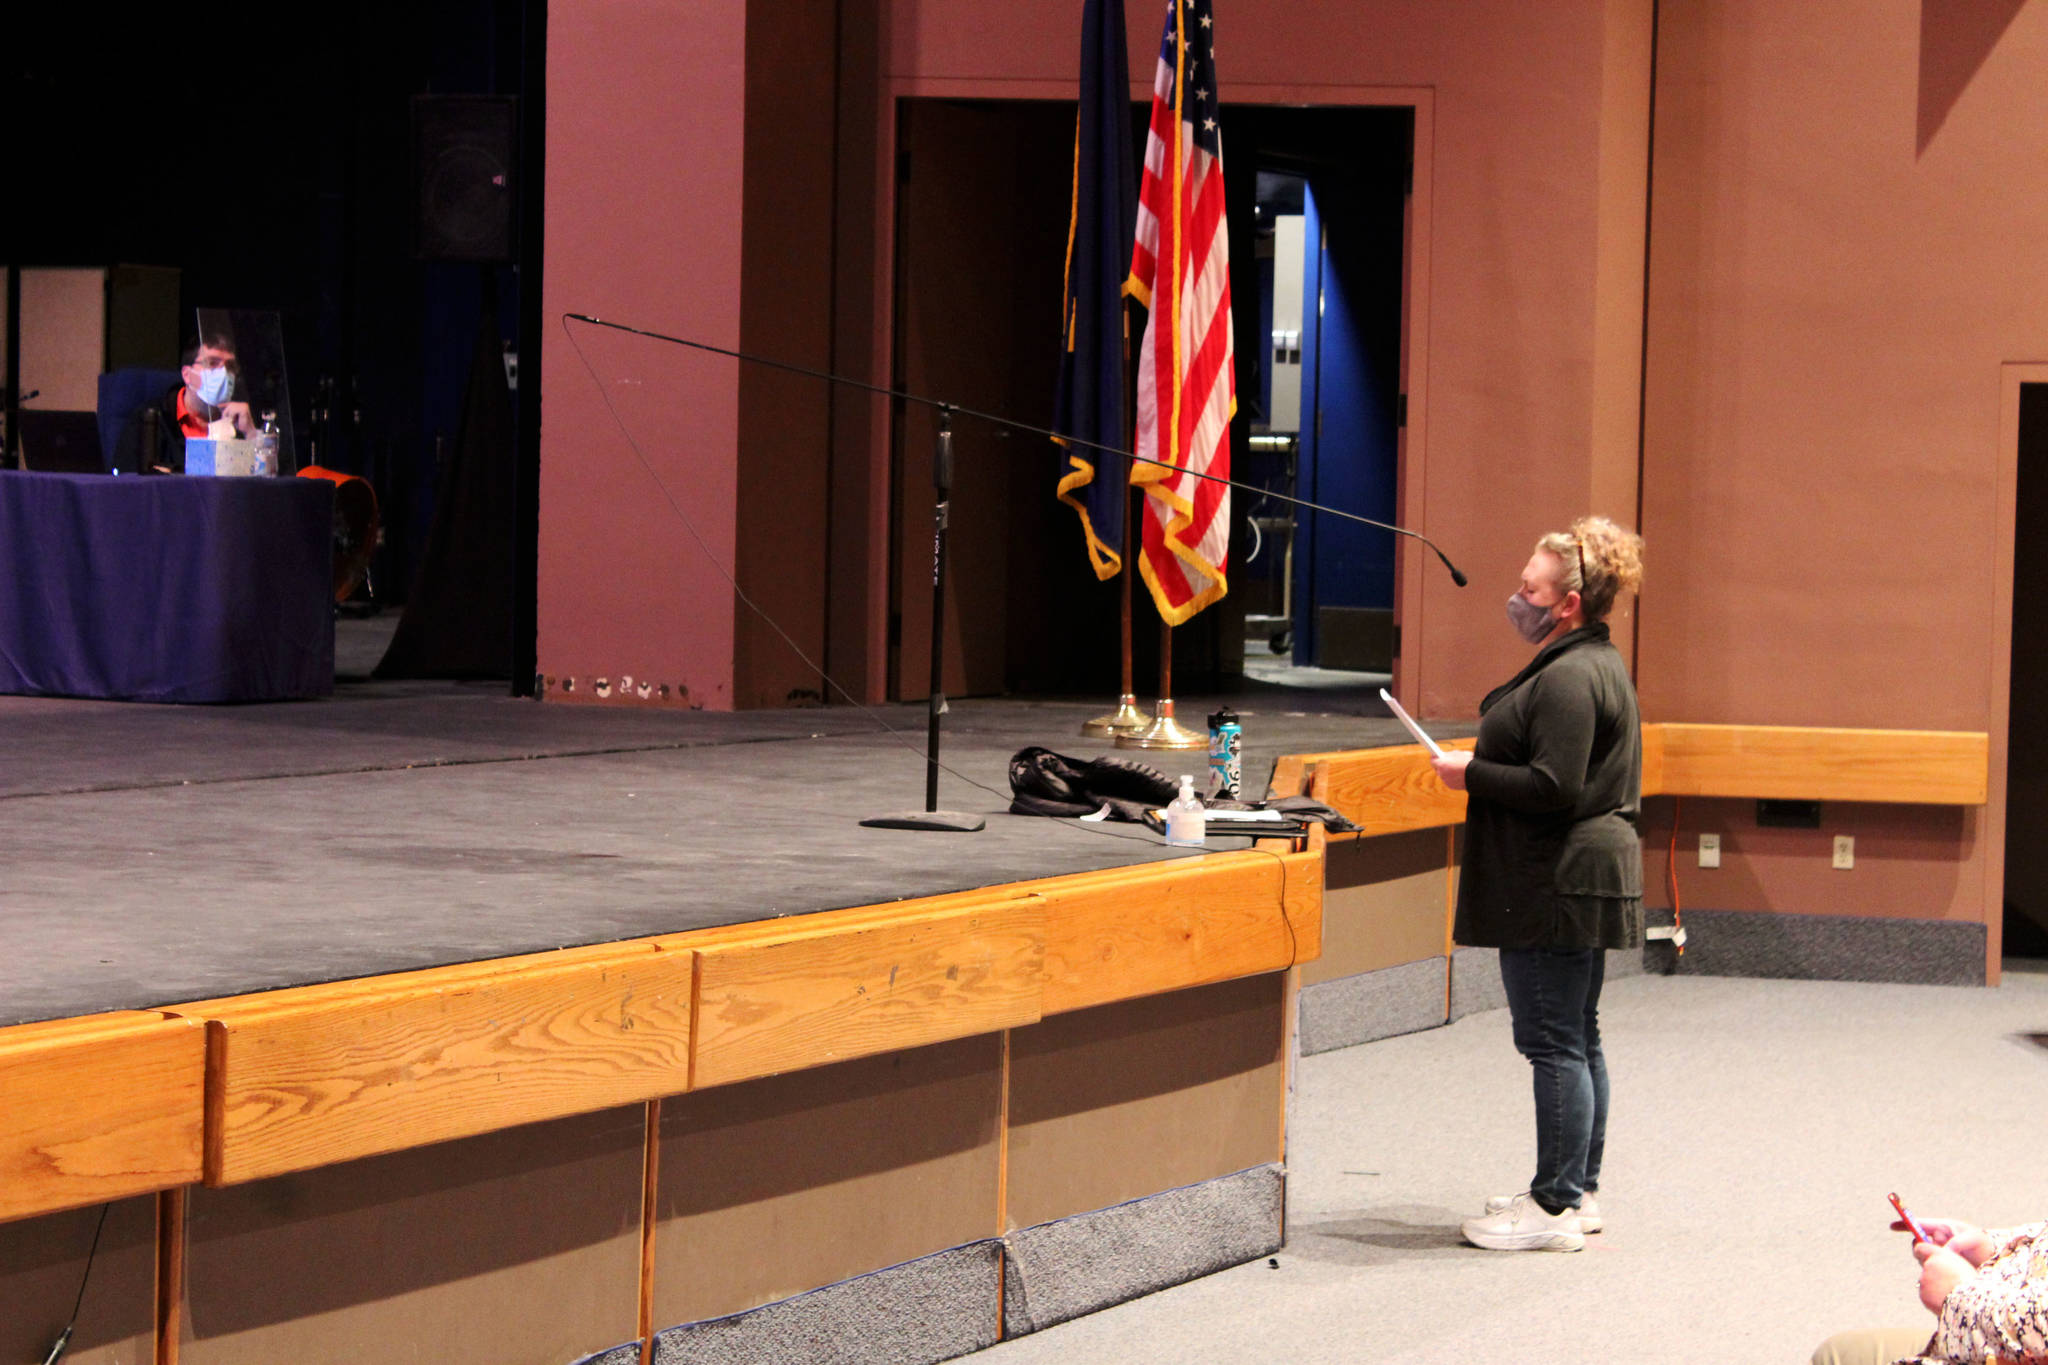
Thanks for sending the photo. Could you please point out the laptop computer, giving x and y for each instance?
(58, 442)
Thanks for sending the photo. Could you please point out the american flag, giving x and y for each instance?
(1180, 271)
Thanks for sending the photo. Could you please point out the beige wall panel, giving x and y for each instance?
(520, 1248)
(42, 1261)
(63, 337)
(1383, 904)
(1129, 1099)
(776, 1186)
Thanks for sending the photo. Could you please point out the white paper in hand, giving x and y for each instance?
(1421, 736)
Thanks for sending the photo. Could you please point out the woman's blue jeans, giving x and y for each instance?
(1554, 1000)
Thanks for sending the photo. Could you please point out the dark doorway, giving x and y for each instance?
(981, 222)
(982, 204)
(2026, 787)
(1326, 425)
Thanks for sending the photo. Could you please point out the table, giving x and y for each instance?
(166, 589)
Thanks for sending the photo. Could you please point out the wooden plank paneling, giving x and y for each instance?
(1927, 767)
(1167, 926)
(1290, 776)
(803, 999)
(1653, 760)
(97, 1109)
(301, 1079)
(1388, 791)
(1391, 790)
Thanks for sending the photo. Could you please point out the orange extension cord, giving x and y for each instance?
(1671, 875)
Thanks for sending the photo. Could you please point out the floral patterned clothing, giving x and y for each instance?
(2001, 1312)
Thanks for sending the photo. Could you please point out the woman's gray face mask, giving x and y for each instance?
(1531, 622)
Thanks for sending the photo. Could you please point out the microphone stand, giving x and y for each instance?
(931, 818)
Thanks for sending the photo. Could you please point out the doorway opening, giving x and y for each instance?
(2026, 788)
(1325, 418)
(980, 237)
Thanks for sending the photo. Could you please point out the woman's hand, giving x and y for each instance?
(1941, 1270)
(1451, 768)
(1966, 1240)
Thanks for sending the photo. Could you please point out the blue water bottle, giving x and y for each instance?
(1226, 755)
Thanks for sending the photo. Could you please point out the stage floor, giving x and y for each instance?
(161, 854)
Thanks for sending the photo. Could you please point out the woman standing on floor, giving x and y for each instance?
(1553, 868)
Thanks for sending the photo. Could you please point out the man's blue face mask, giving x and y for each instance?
(215, 385)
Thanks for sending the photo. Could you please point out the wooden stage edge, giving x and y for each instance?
(231, 1090)
(107, 1106)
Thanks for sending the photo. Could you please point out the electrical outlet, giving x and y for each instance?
(1845, 851)
(1710, 850)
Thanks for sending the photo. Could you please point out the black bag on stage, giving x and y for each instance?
(1045, 783)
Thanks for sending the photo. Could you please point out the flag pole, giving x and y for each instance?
(1165, 732)
(1127, 719)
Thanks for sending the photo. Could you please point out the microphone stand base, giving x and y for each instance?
(1164, 733)
(1126, 719)
(931, 821)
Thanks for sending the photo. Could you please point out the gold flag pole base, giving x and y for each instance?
(1126, 719)
(1164, 733)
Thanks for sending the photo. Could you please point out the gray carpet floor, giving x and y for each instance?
(1757, 1126)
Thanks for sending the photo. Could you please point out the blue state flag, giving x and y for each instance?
(1090, 400)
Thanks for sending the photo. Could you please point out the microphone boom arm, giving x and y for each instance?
(1014, 425)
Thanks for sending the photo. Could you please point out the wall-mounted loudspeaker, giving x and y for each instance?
(464, 152)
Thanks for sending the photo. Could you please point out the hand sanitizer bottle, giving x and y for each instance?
(1185, 822)
(266, 445)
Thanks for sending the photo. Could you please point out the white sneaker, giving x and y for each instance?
(1522, 1225)
(1590, 1220)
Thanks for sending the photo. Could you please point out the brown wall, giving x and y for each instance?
(1539, 113)
(1539, 142)
(786, 314)
(646, 126)
(1839, 265)
(1835, 277)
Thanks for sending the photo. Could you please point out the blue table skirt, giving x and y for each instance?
(166, 589)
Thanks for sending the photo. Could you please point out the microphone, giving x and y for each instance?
(1014, 425)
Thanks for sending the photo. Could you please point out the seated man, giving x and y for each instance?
(204, 398)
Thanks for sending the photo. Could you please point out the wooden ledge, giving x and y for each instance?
(320, 1074)
(1168, 926)
(1917, 767)
(1387, 791)
(301, 1078)
(98, 1108)
(1393, 790)
(810, 997)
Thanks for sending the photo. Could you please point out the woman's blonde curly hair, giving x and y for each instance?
(1600, 562)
